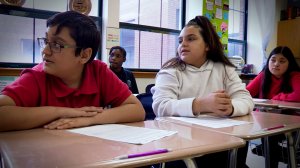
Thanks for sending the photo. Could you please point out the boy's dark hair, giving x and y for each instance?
(123, 51)
(210, 37)
(82, 29)
(293, 66)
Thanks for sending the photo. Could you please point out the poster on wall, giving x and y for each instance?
(217, 12)
(112, 37)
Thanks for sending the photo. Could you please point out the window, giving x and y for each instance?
(21, 26)
(237, 29)
(149, 31)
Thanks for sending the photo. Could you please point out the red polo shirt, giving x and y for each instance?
(100, 87)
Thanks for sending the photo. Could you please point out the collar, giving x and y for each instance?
(207, 66)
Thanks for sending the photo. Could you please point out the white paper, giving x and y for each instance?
(211, 121)
(219, 14)
(259, 100)
(124, 133)
(218, 2)
(209, 6)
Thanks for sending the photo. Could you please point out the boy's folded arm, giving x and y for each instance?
(14, 117)
(131, 110)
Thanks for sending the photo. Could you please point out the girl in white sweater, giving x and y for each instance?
(200, 79)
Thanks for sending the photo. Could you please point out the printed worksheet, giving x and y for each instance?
(124, 133)
(211, 121)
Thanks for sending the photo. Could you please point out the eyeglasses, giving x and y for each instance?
(54, 47)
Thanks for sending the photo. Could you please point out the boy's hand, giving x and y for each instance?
(91, 111)
(66, 123)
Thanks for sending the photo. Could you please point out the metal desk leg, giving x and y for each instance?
(291, 150)
(266, 152)
(297, 139)
(232, 158)
(1, 162)
(190, 163)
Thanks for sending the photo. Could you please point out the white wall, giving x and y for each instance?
(193, 8)
(254, 53)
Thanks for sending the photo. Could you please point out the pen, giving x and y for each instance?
(272, 128)
(154, 152)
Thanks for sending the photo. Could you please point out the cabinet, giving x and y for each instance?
(289, 35)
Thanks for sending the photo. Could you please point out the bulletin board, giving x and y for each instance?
(217, 12)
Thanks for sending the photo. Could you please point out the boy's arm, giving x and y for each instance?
(131, 110)
(13, 117)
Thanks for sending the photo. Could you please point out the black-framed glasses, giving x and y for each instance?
(54, 47)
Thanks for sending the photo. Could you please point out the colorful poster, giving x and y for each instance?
(217, 12)
(112, 37)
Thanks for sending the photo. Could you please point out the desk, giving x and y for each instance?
(59, 148)
(277, 104)
(254, 130)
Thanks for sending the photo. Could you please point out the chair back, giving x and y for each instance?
(148, 88)
(146, 100)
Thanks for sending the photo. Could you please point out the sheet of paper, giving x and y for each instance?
(260, 100)
(211, 121)
(124, 133)
(219, 13)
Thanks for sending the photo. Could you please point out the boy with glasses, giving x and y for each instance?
(69, 88)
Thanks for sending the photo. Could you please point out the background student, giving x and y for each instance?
(117, 55)
(279, 80)
(201, 79)
(69, 88)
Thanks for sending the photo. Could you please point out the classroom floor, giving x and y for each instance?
(255, 161)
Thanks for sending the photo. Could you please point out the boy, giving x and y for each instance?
(69, 88)
(117, 55)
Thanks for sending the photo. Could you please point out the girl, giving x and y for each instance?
(279, 80)
(200, 79)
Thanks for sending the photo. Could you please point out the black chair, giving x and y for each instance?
(148, 88)
(146, 100)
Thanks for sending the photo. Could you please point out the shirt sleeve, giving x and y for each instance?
(24, 91)
(254, 86)
(294, 96)
(165, 96)
(240, 97)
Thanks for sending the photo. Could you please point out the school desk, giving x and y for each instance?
(263, 125)
(277, 104)
(59, 148)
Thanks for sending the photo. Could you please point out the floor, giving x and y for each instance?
(255, 161)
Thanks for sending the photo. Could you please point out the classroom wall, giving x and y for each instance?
(254, 53)
(194, 7)
(111, 14)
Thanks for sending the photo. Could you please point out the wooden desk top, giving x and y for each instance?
(254, 130)
(277, 104)
(58, 148)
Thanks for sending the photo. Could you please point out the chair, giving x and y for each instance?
(146, 100)
(148, 88)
